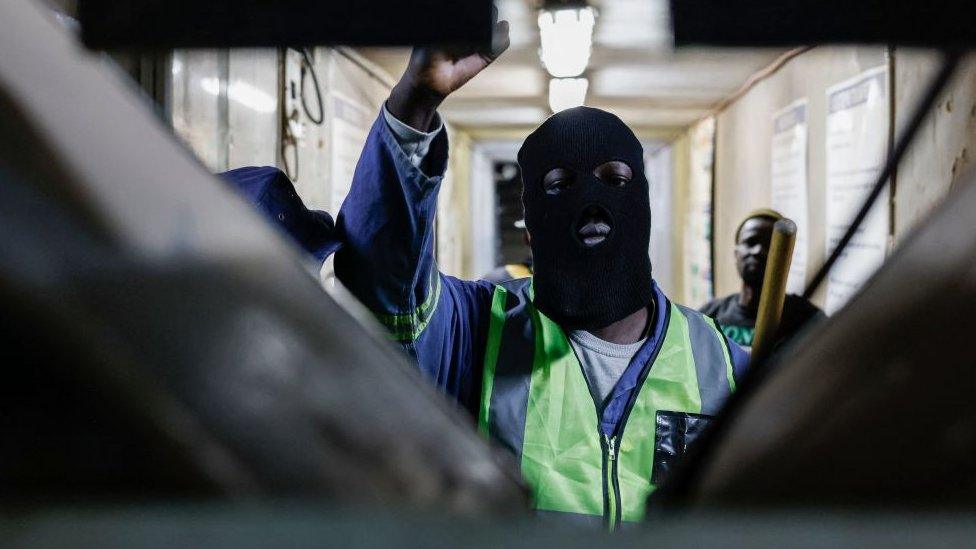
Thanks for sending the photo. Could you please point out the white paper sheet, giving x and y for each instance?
(857, 145)
(788, 177)
(697, 242)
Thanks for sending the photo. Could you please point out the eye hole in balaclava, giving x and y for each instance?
(588, 211)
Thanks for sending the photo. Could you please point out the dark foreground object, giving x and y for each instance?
(936, 23)
(876, 407)
(224, 23)
(161, 340)
(312, 525)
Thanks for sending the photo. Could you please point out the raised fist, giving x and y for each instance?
(434, 73)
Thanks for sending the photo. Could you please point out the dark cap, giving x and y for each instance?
(767, 213)
(274, 195)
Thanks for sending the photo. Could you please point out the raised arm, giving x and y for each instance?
(386, 221)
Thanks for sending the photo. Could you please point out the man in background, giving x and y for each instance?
(736, 313)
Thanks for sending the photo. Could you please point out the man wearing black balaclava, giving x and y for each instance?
(589, 218)
(593, 379)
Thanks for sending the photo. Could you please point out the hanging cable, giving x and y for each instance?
(309, 68)
(288, 138)
(949, 63)
(291, 126)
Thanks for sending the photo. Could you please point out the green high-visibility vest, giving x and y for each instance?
(535, 400)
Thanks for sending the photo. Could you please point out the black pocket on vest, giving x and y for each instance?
(674, 433)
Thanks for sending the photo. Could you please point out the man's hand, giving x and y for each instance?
(433, 74)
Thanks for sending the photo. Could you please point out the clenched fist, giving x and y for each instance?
(435, 73)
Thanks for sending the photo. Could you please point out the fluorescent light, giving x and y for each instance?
(566, 93)
(241, 92)
(567, 37)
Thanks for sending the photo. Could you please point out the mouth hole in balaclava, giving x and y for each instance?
(594, 226)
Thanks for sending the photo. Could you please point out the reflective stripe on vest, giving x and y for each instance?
(535, 400)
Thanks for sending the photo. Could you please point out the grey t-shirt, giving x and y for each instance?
(603, 362)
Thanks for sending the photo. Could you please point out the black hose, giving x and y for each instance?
(309, 67)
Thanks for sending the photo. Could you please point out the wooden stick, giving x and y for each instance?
(774, 288)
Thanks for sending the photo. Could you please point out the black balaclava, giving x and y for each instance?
(580, 286)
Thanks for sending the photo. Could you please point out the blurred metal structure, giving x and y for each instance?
(873, 407)
(150, 24)
(938, 23)
(160, 339)
(313, 526)
(876, 407)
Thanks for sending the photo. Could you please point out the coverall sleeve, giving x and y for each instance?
(387, 262)
(740, 360)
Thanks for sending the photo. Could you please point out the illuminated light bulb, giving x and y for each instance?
(566, 93)
(567, 38)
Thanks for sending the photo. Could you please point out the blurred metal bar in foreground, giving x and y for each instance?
(158, 24)
(942, 23)
(313, 525)
(876, 406)
(162, 340)
(774, 288)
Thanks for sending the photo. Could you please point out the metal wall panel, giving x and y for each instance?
(225, 106)
(195, 92)
(252, 108)
(660, 179)
(945, 146)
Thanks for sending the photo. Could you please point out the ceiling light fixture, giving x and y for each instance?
(567, 38)
(566, 93)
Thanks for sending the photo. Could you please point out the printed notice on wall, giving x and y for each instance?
(698, 228)
(350, 126)
(788, 170)
(857, 145)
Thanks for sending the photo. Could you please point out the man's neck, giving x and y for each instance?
(630, 329)
(749, 297)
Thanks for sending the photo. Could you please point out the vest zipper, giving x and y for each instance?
(608, 444)
(612, 488)
(612, 479)
(611, 484)
(614, 514)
